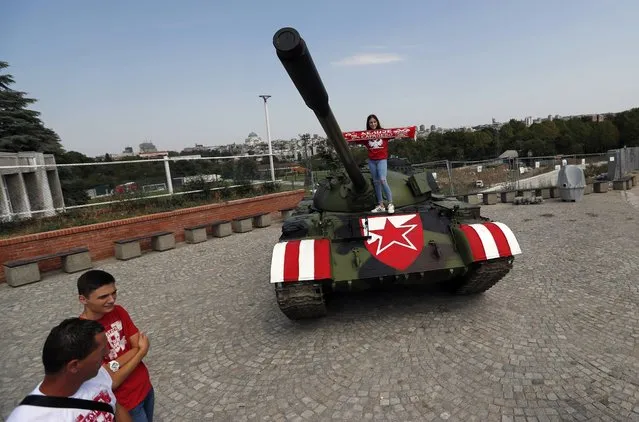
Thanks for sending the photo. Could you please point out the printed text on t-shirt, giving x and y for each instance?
(117, 343)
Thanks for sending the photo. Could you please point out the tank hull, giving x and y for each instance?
(330, 252)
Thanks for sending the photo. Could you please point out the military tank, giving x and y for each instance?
(334, 243)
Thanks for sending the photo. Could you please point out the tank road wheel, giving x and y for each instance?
(483, 276)
(301, 301)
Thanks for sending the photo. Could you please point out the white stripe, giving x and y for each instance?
(512, 240)
(277, 263)
(307, 259)
(490, 247)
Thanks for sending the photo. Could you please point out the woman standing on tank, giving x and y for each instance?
(377, 156)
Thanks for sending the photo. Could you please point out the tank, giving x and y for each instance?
(333, 243)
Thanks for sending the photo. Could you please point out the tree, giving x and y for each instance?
(21, 128)
(604, 136)
(628, 125)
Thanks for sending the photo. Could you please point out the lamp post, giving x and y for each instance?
(268, 136)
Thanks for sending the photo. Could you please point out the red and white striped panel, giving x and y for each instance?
(490, 240)
(299, 260)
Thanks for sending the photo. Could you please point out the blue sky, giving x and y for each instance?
(117, 73)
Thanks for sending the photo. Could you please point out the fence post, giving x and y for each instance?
(450, 178)
(167, 169)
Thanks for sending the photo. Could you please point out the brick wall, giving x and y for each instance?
(99, 237)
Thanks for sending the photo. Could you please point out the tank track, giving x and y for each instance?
(484, 276)
(301, 301)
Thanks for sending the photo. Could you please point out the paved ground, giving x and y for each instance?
(558, 339)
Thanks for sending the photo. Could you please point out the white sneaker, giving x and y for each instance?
(391, 208)
(378, 208)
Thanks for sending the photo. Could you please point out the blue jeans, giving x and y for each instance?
(378, 170)
(143, 412)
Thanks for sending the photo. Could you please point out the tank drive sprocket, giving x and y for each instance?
(301, 301)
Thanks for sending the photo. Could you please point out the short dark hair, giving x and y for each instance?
(93, 280)
(73, 338)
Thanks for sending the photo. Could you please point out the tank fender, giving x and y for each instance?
(484, 241)
(301, 260)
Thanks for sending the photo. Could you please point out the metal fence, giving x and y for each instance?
(33, 185)
(470, 177)
(457, 178)
(622, 161)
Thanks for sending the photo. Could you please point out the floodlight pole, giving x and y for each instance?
(268, 136)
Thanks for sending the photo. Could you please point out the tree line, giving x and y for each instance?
(577, 135)
(570, 136)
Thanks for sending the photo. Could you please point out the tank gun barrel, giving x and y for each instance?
(296, 59)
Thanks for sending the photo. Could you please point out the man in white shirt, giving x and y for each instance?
(72, 357)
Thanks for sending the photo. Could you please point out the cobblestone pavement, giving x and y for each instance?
(557, 339)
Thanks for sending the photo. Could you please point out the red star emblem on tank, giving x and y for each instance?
(396, 240)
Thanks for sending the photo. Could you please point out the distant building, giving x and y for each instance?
(28, 191)
(252, 139)
(155, 154)
(196, 148)
(508, 157)
(128, 152)
(147, 147)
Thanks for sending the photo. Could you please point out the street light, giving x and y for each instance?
(268, 136)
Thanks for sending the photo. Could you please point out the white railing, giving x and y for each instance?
(29, 189)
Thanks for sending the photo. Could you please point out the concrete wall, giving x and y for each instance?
(18, 196)
(33, 185)
(543, 180)
(99, 237)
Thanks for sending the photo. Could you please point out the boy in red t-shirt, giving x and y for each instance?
(127, 345)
